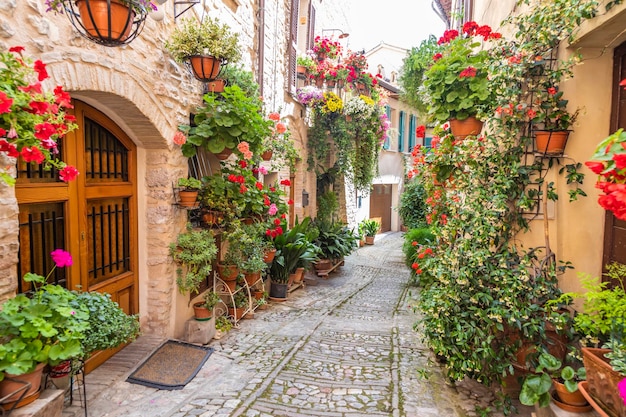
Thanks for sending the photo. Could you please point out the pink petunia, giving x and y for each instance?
(68, 173)
(272, 210)
(61, 258)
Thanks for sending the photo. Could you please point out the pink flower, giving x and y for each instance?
(621, 386)
(274, 116)
(61, 258)
(263, 170)
(179, 138)
(272, 210)
(243, 147)
(68, 173)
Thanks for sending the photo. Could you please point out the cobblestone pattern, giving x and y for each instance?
(345, 347)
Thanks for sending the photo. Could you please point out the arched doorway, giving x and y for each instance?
(93, 217)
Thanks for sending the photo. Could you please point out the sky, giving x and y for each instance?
(403, 23)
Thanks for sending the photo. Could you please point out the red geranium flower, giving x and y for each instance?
(285, 182)
(5, 103)
(40, 67)
(469, 72)
(32, 154)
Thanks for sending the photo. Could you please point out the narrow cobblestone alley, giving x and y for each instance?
(343, 347)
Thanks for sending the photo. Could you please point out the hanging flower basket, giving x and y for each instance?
(466, 127)
(205, 67)
(107, 22)
(222, 156)
(267, 155)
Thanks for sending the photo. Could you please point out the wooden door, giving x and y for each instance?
(380, 205)
(93, 217)
(614, 229)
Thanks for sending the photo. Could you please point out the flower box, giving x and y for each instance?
(602, 381)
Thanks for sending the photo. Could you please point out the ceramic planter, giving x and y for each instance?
(188, 198)
(8, 386)
(574, 402)
(278, 291)
(602, 381)
(267, 155)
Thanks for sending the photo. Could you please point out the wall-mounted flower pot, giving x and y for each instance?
(267, 155)
(205, 67)
(550, 142)
(222, 156)
(188, 198)
(216, 86)
(466, 127)
(109, 21)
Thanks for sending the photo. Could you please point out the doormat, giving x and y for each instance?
(171, 366)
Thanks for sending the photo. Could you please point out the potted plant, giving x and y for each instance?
(26, 138)
(279, 143)
(551, 372)
(203, 310)
(253, 250)
(370, 228)
(188, 191)
(602, 325)
(44, 327)
(205, 45)
(224, 123)
(290, 246)
(108, 23)
(335, 241)
(305, 64)
(552, 120)
(194, 251)
(109, 326)
(240, 304)
(456, 83)
(326, 48)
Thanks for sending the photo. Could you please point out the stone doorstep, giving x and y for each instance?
(49, 404)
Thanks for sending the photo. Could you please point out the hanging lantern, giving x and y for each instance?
(108, 22)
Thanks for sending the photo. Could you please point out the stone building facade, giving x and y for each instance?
(142, 93)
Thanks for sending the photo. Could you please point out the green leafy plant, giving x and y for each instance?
(418, 60)
(194, 251)
(536, 386)
(190, 183)
(370, 227)
(109, 326)
(223, 324)
(210, 299)
(293, 247)
(335, 240)
(226, 121)
(456, 83)
(412, 208)
(46, 327)
(208, 37)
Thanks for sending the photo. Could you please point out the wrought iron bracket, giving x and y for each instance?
(186, 4)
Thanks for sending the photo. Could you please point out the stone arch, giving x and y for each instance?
(141, 107)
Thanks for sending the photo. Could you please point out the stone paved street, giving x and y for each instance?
(344, 347)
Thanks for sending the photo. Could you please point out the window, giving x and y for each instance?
(401, 132)
(387, 142)
(412, 126)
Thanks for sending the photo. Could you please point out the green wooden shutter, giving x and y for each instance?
(401, 132)
(387, 142)
(412, 126)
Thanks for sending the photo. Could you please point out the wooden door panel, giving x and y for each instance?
(380, 205)
(614, 229)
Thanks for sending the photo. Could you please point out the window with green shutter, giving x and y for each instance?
(412, 126)
(387, 142)
(401, 132)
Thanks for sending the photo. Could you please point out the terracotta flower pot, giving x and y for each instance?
(269, 255)
(252, 277)
(466, 127)
(551, 142)
(205, 67)
(583, 387)
(267, 155)
(575, 398)
(369, 240)
(216, 86)
(602, 381)
(299, 275)
(188, 198)
(237, 312)
(94, 15)
(7, 386)
(222, 156)
(201, 313)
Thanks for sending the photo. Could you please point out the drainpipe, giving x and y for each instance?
(261, 45)
(292, 197)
